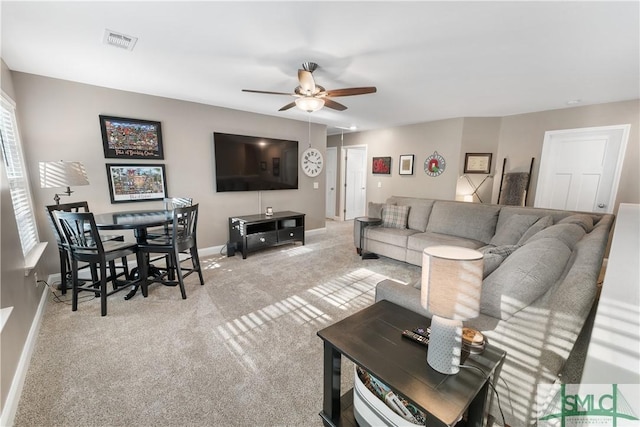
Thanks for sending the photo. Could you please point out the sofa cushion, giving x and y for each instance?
(391, 236)
(419, 211)
(394, 216)
(374, 210)
(570, 234)
(523, 277)
(583, 220)
(510, 232)
(470, 220)
(539, 225)
(419, 241)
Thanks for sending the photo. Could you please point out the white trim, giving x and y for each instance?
(13, 398)
(32, 258)
(4, 316)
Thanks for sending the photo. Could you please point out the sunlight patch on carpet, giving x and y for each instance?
(297, 250)
(352, 290)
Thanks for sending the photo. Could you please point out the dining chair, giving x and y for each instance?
(170, 203)
(182, 239)
(65, 265)
(82, 240)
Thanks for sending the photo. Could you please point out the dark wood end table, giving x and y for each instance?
(372, 339)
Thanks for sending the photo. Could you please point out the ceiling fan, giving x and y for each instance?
(311, 96)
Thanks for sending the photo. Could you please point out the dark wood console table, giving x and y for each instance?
(372, 339)
(254, 232)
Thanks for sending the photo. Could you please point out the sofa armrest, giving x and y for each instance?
(403, 295)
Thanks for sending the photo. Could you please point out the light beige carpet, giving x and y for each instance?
(241, 350)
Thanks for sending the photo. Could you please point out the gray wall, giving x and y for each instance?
(443, 136)
(16, 289)
(60, 122)
(521, 137)
(517, 138)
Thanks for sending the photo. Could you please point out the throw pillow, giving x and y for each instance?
(394, 216)
(494, 256)
(523, 277)
(583, 220)
(539, 225)
(512, 230)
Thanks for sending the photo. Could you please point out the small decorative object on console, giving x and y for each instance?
(269, 211)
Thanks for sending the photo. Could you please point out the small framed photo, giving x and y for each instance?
(406, 164)
(136, 183)
(381, 165)
(477, 163)
(131, 138)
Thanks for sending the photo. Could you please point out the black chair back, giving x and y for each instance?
(185, 222)
(80, 232)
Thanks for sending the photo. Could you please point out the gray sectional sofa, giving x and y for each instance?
(540, 280)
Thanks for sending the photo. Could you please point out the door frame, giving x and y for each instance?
(343, 176)
(335, 184)
(544, 171)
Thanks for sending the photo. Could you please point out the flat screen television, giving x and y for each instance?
(250, 163)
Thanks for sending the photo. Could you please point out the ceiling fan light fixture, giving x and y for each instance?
(309, 104)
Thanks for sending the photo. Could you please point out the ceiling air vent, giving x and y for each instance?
(119, 40)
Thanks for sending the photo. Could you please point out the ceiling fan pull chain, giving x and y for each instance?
(309, 118)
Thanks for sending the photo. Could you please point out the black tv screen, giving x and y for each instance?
(250, 163)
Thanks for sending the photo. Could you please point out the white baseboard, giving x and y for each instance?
(13, 398)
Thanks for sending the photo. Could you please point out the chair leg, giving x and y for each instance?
(103, 289)
(114, 274)
(180, 277)
(195, 259)
(64, 259)
(74, 285)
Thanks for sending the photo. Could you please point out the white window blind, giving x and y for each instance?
(17, 176)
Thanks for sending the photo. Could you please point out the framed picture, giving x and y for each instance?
(381, 165)
(406, 164)
(131, 138)
(136, 183)
(477, 163)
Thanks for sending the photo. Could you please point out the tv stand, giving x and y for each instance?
(254, 232)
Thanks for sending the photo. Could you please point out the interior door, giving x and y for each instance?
(580, 168)
(355, 182)
(331, 165)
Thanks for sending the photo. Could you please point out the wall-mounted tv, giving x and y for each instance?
(250, 163)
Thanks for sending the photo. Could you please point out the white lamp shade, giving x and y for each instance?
(451, 281)
(309, 103)
(62, 174)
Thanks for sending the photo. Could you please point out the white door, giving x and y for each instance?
(355, 182)
(580, 168)
(331, 165)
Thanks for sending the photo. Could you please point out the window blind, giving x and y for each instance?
(17, 176)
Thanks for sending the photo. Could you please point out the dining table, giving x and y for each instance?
(139, 221)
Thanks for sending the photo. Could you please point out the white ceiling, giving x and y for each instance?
(429, 60)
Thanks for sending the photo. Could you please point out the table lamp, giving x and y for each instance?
(451, 283)
(62, 174)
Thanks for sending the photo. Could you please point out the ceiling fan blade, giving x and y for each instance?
(333, 104)
(266, 91)
(307, 83)
(352, 91)
(289, 105)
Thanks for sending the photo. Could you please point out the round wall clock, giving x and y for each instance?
(434, 165)
(311, 162)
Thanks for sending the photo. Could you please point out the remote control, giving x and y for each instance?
(415, 337)
(422, 331)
